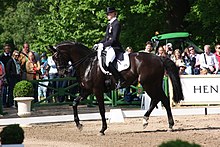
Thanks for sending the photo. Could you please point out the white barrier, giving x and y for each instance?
(116, 116)
(145, 101)
(200, 89)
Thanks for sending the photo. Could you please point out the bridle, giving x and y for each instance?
(79, 62)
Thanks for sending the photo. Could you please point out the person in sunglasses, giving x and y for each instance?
(13, 71)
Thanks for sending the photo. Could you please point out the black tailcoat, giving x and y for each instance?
(112, 35)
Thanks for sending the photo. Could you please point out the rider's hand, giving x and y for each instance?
(95, 47)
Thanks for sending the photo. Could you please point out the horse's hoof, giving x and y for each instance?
(170, 130)
(145, 125)
(145, 122)
(80, 127)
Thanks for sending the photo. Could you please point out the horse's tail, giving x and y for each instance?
(173, 73)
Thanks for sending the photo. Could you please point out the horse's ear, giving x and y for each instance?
(51, 48)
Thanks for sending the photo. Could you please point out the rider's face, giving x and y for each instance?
(111, 15)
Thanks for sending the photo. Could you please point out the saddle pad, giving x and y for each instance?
(121, 65)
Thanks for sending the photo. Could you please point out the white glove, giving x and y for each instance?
(100, 46)
(95, 47)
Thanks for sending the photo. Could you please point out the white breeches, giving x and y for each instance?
(110, 55)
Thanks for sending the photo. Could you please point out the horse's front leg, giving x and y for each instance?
(75, 112)
(100, 99)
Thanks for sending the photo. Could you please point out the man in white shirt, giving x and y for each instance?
(53, 73)
(208, 61)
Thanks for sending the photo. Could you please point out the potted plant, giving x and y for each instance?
(23, 93)
(12, 136)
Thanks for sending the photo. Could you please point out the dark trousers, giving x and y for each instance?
(4, 95)
(61, 84)
(35, 86)
(53, 84)
(12, 81)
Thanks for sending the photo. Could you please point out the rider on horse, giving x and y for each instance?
(111, 39)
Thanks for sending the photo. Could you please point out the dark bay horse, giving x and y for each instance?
(148, 69)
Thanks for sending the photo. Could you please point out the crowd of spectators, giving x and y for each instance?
(188, 61)
(26, 65)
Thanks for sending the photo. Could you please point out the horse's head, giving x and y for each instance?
(60, 60)
(67, 51)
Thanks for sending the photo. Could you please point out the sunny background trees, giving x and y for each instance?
(43, 22)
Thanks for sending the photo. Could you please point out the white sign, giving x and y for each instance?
(201, 89)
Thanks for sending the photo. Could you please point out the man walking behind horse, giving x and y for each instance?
(110, 43)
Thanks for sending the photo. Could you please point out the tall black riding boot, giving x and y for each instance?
(117, 75)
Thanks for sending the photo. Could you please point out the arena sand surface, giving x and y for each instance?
(200, 129)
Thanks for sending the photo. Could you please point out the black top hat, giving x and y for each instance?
(110, 10)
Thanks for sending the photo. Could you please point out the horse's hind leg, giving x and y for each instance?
(153, 104)
(156, 96)
(166, 103)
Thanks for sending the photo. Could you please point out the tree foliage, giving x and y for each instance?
(44, 22)
(204, 21)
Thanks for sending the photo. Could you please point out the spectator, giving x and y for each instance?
(194, 61)
(186, 60)
(128, 90)
(161, 52)
(37, 56)
(129, 49)
(177, 57)
(65, 83)
(148, 47)
(185, 55)
(75, 89)
(42, 90)
(217, 53)
(2, 79)
(169, 50)
(5, 57)
(32, 67)
(208, 61)
(182, 69)
(52, 70)
(23, 59)
(33, 72)
(13, 71)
